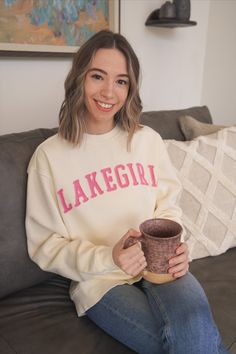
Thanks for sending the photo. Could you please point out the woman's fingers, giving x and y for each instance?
(179, 269)
(179, 264)
(133, 260)
(136, 265)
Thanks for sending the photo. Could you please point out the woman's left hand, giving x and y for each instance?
(179, 264)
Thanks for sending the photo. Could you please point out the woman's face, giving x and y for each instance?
(106, 88)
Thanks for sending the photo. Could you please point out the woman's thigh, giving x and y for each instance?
(125, 314)
(172, 318)
(189, 325)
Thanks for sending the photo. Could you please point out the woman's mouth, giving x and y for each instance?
(104, 107)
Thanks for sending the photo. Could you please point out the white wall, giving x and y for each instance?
(172, 60)
(31, 91)
(219, 80)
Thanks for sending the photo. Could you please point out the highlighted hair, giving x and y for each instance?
(72, 123)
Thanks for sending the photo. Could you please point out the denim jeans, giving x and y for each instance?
(172, 318)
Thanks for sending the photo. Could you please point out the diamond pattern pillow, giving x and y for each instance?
(206, 168)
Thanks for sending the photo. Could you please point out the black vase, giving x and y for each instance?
(167, 10)
(183, 8)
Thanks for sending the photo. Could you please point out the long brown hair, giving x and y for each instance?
(71, 116)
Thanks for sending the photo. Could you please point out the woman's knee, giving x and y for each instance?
(193, 310)
(194, 330)
(186, 314)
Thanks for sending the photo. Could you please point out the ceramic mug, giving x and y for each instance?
(160, 238)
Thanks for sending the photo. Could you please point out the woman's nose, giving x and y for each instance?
(107, 90)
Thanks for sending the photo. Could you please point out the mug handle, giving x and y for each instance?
(130, 241)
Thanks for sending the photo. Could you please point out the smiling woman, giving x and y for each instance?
(90, 187)
(108, 65)
(106, 88)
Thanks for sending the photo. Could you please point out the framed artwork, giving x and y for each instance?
(53, 27)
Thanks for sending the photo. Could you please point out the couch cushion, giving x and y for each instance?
(17, 271)
(166, 123)
(43, 320)
(192, 128)
(206, 168)
(218, 278)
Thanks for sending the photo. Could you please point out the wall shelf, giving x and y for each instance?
(171, 23)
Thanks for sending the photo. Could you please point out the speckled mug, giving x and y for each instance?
(160, 239)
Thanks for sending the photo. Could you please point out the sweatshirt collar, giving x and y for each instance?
(99, 138)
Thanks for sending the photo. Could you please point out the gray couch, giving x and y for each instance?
(36, 313)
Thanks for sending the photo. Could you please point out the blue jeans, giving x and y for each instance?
(170, 318)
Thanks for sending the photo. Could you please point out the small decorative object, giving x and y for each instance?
(182, 9)
(167, 10)
(171, 14)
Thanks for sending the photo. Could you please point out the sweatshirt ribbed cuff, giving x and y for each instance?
(107, 259)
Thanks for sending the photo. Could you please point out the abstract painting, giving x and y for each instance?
(54, 25)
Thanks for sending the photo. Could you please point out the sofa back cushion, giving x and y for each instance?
(166, 123)
(17, 271)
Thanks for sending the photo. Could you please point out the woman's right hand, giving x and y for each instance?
(131, 260)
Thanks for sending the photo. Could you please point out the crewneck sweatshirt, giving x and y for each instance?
(82, 199)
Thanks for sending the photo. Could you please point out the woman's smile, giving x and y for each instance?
(105, 107)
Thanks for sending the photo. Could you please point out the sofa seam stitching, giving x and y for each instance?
(4, 339)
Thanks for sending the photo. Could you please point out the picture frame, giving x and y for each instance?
(32, 32)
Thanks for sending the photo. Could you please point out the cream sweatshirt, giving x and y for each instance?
(82, 199)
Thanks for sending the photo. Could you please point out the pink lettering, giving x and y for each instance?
(79, 193)
(66, 207)
(93, 185)
(120, 177)
(124, 182)
(130, 167)
(141, 174)
(106, 172)
(152, 175)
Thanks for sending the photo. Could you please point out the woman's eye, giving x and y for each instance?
(97, 77)
(122, 82)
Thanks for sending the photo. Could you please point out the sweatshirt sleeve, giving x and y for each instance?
(169, 188)
(49, 243)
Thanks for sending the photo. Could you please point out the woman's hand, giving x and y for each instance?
(131, 260)
(179, 264)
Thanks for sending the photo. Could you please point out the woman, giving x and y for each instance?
(89, 188)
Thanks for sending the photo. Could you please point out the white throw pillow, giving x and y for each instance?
(206, 168)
